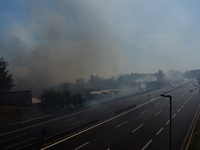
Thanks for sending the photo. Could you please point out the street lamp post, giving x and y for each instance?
(199, 87)
(170, 116)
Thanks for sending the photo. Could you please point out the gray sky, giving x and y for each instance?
(53, 41)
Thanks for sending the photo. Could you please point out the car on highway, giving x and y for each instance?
(190, 90)
(195, 88)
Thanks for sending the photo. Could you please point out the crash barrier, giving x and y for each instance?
(176, 88)
(188, 137)
(70, 131)
(106, 117)
(127, 108)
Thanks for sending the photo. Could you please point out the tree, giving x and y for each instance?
(79, 81)
(67, 94)
(78, 100)
(160, 76)
(6, 81)
(54, 100)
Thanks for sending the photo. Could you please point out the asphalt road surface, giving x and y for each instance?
(143, 127)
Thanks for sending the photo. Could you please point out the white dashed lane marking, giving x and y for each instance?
(121, 124)
(158, 113)
(138, 128)
(143, 112)
(167, 122)
(173, 115)
(157, 103)
(81, 146)
(159, 131)
(147, 145)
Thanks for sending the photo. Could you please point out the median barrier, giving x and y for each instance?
(87, 124)
(175, 88)
(69, 131)
(59, 135)
(105, 117)
(127, 108)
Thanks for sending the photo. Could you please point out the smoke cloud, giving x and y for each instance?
(60, 43)
(49, 42)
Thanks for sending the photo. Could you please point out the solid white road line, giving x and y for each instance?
(99, 124)
(129, 104)
(143, 111)
(12, 138)
(147, 145)
(20, 143)
(26, 145)
(121, 124)
(100, 109)
(81, 146)
(157, 113)
(109, 111)
(65, 117)
(159, 131)
(119, 103)
(35, 125)
(67, 120)
(138, 127)
(167, 122)
(79, 122)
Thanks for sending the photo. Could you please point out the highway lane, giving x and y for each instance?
(136, 99)
(32, 133)
(144, 128)
(180, 124)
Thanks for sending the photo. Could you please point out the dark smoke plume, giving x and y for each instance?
(60, 42)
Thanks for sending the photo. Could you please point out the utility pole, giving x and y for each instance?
(199, 87)
(170, 116)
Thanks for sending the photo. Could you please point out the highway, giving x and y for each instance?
(145, 126)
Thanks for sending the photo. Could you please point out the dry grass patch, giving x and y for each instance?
(13, 114)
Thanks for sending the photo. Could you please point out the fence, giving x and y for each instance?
(16, 98)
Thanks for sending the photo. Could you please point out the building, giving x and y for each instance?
(16, 98)
(96, 94)
(104, 93)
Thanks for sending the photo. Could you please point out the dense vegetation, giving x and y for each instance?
(54, 100)
(6, 81)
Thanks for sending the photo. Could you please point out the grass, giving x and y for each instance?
(195, 141)
(13, 114)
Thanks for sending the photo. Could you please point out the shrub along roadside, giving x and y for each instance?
(54, 100)
(13, 114)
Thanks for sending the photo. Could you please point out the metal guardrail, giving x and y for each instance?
(127, 108)
(70, 131)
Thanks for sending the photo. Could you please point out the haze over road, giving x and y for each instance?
(143, 127)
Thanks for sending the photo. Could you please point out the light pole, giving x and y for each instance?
(170, 116)
(199, 87)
